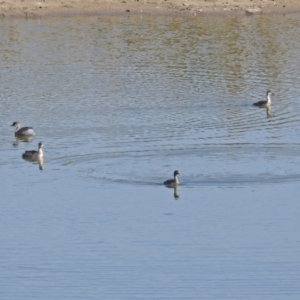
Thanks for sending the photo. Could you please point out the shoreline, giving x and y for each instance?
(30, 9)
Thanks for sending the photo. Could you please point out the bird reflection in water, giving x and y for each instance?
(176, 195)
(40, 161)
(22, 139)
(268, 111)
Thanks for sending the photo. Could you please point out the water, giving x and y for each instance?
(120, 103)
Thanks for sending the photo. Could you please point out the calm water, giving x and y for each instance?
(120, 103)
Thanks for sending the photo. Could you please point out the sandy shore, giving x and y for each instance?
(44, 8)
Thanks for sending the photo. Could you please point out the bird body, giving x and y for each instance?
(264, 103)
(22, 131)
(33, 154)
(172, 182)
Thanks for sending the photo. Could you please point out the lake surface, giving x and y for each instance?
(122, 102)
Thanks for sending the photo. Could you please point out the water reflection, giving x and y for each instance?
(39, 161)
(176, 195)
(268, 111)
(25, 139)
(175, 191)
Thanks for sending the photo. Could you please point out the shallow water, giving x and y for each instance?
(119, 104)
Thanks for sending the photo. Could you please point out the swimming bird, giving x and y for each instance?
(33, 154)
(264, 103)
(172, 182)
(22, 131)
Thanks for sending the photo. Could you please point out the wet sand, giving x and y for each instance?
(44, 8)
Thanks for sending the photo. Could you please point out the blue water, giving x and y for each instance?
(119, 104)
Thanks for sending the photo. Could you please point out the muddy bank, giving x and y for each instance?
(43, 8)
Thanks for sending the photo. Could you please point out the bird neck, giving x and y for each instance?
(269, 99)
(41, 154)
(18, 127)
(176, 179)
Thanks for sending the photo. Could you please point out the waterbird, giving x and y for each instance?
(33, 154)
(172, 182)
(22, 131)
(264, 103)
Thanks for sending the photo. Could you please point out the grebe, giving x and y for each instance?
(173, 182)
(33, 154)
(264, 103)
(24, 131)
